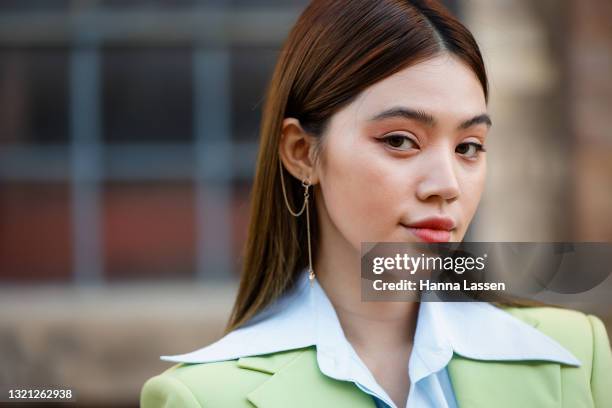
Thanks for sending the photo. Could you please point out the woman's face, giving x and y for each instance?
(404, 151)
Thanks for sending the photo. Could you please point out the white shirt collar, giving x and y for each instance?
(304, 316)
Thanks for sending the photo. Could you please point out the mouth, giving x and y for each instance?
(430, 234)
(432, 229)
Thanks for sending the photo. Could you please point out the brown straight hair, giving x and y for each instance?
(335, 50)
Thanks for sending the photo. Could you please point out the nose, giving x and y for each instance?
(440, 178)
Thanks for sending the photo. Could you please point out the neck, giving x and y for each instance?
(366, 325)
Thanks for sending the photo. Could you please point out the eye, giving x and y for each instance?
(470, 149)
(399, 142)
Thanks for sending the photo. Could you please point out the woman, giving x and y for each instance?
(377, 116)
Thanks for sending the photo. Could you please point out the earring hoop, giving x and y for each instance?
(306, 184)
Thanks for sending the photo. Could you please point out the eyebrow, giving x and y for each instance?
(427, 118)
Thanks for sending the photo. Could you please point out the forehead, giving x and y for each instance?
(444, 86)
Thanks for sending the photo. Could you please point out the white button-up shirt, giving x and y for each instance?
(304, 316)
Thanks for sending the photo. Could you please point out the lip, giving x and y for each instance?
(432, 229)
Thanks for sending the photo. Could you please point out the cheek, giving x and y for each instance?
(359, 192)
(472, 187)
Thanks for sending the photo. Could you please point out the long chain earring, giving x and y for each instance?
(305, 184)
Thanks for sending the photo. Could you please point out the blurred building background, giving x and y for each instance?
(128, 137)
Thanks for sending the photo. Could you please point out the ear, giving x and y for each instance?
(296, 150)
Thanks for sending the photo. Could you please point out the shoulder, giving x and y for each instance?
(212, 384)
(197, 385)
(570, 325)
(551, 318)
(581, 333)
(573, 329)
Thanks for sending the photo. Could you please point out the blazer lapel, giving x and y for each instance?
(296, 381)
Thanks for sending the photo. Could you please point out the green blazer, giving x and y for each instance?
(292, 378)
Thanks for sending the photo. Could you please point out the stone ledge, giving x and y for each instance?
(105, 342)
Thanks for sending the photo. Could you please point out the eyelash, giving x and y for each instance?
(479, 147)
